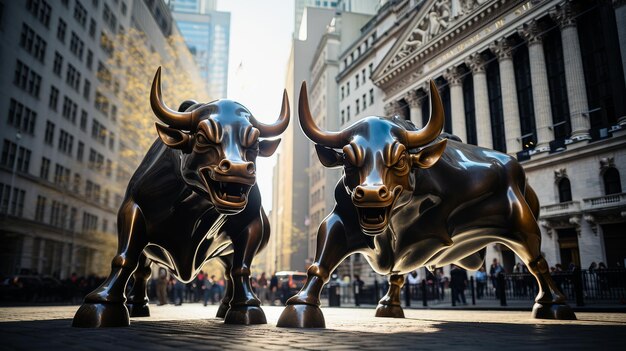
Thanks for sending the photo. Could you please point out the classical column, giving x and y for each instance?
(539, 79)
(481, 100)
(620, 20)
(574, 76)
(454, 76)
(415, 102)
(503, 49)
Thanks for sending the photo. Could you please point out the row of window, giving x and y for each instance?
(22, 117)
(361, 49)
(27, 79)
(359, 79)
(41, 10)
(360, 104)
(64, 217)
(12, 200)
(33, 43)
(610, 178)
(12, 154)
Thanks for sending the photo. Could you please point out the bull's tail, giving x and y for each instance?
(532, 200)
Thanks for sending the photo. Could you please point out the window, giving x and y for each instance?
(40, 209)
(363, 76)
(40, 9)
(77, 46)
(348, 89)
(14, 207)
(54, 98)
(61, 175)
(612, 183)
(343, 117)
(495, 107)
(347, 113)
(32, 43)
(57, 66)
(72, 77)
(11, 154)
(104, 75)
(106, 44)
(371, 97)
(102, 103)
(70, 109)
(470, 111)
(556, 84)
(81, 151)
(66, 142)
(565, 190)
(342, 93)
(27, 79)
(124, 8)
(521, 66)
(109, 168)
(44, 170)
(96, 160)
(111, 141)
(86, 89)
(77, 183)
(92, 28)
(49, 136)
(109, 18)
(21, 117)
(90, 222)
(364, 100)
(371, 69)
(58, 214)
(83, 120)
(80, 14)
(357, 106)
(356, 81)
(61, 29)
(98, 131)
(89, 59)
(113, 113)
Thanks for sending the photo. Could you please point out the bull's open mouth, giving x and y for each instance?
(373, 220)
(227, 196)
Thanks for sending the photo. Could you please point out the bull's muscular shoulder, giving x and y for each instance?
(472, 170)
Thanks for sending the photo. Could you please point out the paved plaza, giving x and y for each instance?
(192, 327)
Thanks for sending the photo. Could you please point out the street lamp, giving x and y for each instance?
(18, 138)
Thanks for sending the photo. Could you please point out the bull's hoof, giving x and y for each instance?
(301, 316)
(139, 309)
(389, 311)
(101, 315)
(245, 315)
(221, 311)
(553, 311)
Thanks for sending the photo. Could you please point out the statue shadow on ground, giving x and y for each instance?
(410, 333)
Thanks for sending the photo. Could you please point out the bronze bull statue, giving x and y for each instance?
(194, 197)
(411, 198)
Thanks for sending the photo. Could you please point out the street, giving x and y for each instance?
(192, 327)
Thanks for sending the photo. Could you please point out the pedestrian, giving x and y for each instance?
(357, 285)
(481, 282)
(273, 288)
(443, 280)
(262, 288)
(494, 270)
(413, 279)
(179, 291)
(162, 287)
(207, 289)
(458, 282)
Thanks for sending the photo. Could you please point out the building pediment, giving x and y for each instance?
(438, 26)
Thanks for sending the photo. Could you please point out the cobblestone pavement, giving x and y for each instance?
(192, 327)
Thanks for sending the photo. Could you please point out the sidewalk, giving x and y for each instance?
(192, 327)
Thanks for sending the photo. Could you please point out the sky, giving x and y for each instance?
(260, 41)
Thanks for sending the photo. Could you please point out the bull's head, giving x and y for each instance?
(219, 143)
(377, 155)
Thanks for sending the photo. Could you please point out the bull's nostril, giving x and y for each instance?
(359, 193)
(382, 192)
(250, 168)
(225, 165)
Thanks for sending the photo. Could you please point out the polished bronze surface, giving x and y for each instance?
(410, 198)
(194, 197)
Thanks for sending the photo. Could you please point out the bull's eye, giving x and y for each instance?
(201, 140)
(402, 164)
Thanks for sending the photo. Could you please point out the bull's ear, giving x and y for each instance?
(328, 157)
(267, 147)
(429, 155)
(173, 138)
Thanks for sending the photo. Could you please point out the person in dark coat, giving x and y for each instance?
(458, 282)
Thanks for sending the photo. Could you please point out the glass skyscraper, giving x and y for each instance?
(207, 34)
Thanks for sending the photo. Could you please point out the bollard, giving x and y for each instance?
(472, 289)
(407, 295)
(501, 288)
(578, 286)
(424, 297)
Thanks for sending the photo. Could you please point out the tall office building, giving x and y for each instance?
(64, 164)
(207, 34)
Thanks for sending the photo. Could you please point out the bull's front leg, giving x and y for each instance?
(227, 262)
(138, 300)
(244, 305)
(303, 309)
(105, 306)
(389, 305)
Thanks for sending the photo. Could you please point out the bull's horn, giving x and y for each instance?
(335, 140)
(433, 128)
(272, 130)
(174, 119)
